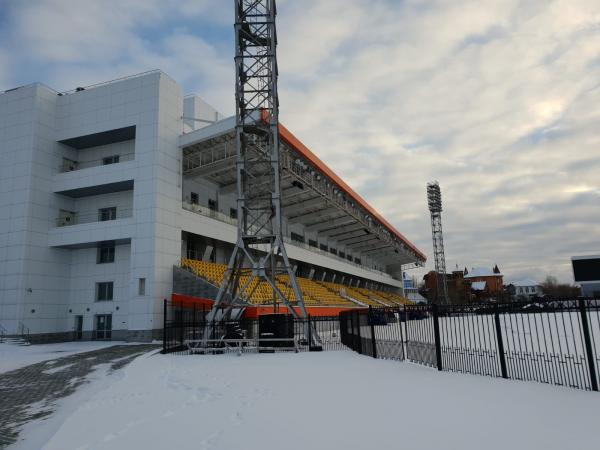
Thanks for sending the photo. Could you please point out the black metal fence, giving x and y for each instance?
(555, 342)
(186, 325)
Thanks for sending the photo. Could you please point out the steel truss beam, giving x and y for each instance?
(341, 232)
(367, 246)
(259, 252)
(305, 203)
(368, 250)
(334, 222)
(309, 215)
(309, 177)
(351, 235)
(358, 239)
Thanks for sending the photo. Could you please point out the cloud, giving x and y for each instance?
(498, 100)
(73, 43)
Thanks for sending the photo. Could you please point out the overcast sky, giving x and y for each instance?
(498, 100)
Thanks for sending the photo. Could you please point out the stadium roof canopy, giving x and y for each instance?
(312, 194)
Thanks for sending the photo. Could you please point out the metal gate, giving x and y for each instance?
(420, 335)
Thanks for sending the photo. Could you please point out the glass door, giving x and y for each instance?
(103, 326)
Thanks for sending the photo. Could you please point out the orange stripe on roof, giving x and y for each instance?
(291, 140)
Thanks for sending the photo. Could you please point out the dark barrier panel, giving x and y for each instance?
(183, 325)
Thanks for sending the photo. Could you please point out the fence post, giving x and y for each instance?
(500, 344)
(194, 326)
(588, 345)
(165, 325)
(436, 336)
(359, 349)
(309, 333)
(400, 327)
(373, 340)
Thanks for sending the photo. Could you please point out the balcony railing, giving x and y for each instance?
(69, 165)
(203, 210)
(75, 218)
(331, 255)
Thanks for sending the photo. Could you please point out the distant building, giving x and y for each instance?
(464, 286)
(524, 289)
(586, 272)
(411, 291)
(485, 284)
(458, 291)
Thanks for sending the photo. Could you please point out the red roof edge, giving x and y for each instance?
(291, 140)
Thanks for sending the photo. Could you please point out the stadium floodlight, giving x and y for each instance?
(434, 200)
(259, 255)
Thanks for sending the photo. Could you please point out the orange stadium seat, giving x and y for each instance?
(314, 293)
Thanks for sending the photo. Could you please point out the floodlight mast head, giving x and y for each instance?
(434, 197)
(434, 200)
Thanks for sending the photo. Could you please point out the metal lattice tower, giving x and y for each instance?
(259, 255)
(434, 200)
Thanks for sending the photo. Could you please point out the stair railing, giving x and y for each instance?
(23, 331)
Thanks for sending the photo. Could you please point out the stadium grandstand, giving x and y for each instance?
(129, 198)
(345, 253)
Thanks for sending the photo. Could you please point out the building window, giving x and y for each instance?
(233, 213)
(104, 291)
(194, 198)
(323, 247)
(297, 237)
(312, 243)
(106, 253)
(105, 214)
(212, 204)
(114, 159)
(341, 254)
(333, 251)
(357, 260)
(349, 258)
(142, 286)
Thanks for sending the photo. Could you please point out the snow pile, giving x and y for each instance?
(328, 400)
(14, 356)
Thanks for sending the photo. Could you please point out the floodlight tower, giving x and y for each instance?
(434, 200)
(259, 254)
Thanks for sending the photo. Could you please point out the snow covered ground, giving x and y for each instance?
(329, 400)
(15, 356)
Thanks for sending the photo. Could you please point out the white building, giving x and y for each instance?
(526, 288)
(103, 190)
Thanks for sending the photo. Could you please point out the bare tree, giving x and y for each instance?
(550, 286)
